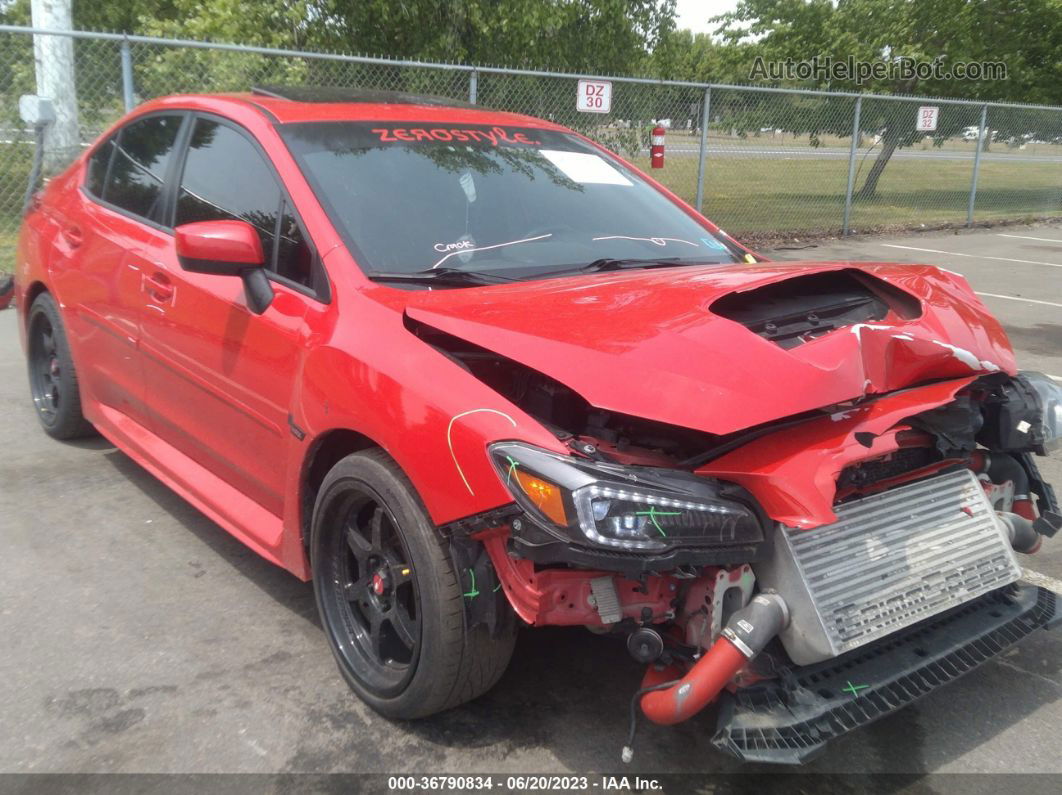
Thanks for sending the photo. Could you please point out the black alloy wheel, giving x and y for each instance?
(52, 377)
(45, 370)
(376, 599)
(390, 597)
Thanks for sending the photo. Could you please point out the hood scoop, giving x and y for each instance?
(797, 310)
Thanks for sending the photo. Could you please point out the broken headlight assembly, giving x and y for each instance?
(1023, 414)
(644, 510)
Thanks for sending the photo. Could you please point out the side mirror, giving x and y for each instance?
(226, 248)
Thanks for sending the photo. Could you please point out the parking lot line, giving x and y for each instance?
(975, 256)
(1029, 237)
(1016, 298)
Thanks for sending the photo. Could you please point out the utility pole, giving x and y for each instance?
(53, 58)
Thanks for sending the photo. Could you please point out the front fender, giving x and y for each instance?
(432, 417)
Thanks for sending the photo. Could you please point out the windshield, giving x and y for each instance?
(516, 202)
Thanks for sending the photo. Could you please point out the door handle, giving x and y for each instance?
(159, 287)
(73, 235)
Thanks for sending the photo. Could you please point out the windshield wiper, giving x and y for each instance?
(462, 278)
(441, 276)
(611, 264)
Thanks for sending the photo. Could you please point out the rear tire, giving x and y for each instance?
(390, 598)
(52, 377)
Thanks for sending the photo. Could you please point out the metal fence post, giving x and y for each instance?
(981, 131)
(127, 76)
(851, 167)
(705, 118)
(473, 86)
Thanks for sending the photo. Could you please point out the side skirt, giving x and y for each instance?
(245, 519)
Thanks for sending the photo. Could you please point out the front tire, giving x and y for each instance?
(52, 377)
(390, 598)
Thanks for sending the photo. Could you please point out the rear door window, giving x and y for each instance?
(138, 167)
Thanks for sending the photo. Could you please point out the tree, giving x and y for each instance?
(594, 36)
(562, 35)
(1025, 34)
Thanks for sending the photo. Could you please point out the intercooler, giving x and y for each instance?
(889, 561)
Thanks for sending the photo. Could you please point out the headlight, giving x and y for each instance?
(1050, 393)
(1024, 413)
(625, 508)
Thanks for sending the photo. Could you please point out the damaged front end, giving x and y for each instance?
(805, 574)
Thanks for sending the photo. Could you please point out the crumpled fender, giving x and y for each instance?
(793, 473)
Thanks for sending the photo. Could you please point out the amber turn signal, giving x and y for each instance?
(545, 496)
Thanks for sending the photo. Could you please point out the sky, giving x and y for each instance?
(694, 14)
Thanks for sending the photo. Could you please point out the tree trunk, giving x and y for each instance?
(888, 146)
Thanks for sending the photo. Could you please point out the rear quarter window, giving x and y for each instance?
(97, 168)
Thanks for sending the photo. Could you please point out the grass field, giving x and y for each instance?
(777, 197)
(781, 197)
(14, 171)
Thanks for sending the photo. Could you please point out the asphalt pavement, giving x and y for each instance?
(137, 636)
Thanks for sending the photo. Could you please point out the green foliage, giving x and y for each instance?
(1025, 34)
(600, 36)
(562, 35)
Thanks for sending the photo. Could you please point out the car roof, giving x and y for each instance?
(289, 105)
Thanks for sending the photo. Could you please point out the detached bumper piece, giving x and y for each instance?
(790, 719)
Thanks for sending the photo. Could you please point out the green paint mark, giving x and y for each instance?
(854, 689)
(497, 588)
(473, 593)
(652, 513)
(512, 469)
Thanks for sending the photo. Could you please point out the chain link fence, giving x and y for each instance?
(762, 163)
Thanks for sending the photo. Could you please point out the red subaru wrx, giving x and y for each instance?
(469, 371)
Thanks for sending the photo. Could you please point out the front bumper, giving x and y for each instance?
(790, 719)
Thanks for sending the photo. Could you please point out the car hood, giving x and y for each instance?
(645, 343)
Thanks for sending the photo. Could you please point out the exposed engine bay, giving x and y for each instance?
(737, 559)
(590, 432)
